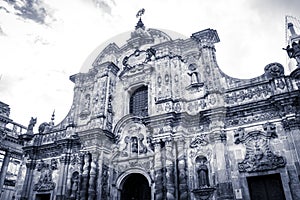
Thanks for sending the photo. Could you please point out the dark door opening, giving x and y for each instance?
(268, 187)
(43, 196)
(136, 187)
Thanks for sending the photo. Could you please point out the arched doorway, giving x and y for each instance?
(136, 187)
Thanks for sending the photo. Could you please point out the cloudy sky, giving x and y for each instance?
(43, 42)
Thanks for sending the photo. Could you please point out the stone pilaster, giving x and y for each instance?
(222, 168)
(63, 175)
(292, 149)
(26, 190)
(158, 171)
(169, 166)
(4, 169)
(224, 184)
(181, 164)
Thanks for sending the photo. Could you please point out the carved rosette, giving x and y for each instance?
(259, 156)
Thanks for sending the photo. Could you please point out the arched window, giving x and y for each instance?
(139, 102)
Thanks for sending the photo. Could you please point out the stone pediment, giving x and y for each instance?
(108, 54)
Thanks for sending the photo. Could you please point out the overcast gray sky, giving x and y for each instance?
(43, 43)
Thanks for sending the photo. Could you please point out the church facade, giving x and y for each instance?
(156, 118)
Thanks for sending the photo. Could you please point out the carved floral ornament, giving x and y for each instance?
(259, 156)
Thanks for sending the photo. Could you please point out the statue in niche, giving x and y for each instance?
(85, 107)
(87, 159)
(195, 82)
(202, 171)
(143, 148)
(74, 185)
(125, 150)
(149, 143)
(194, 78)
(87, 102)
(134, 145)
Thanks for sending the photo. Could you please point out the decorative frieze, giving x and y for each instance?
(256, 93)
(252, 118)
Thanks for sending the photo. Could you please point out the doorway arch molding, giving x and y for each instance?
(122, 178)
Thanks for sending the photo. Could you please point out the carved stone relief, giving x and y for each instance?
(274, 70)
(45, 182)
(200, 140)
(259, 156)
(85, 107)
(134, 141)
(247, 94)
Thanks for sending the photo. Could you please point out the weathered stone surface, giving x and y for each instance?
(160, 110)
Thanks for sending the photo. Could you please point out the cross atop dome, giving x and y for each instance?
(140, 24)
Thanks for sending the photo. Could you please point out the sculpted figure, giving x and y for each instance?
(134, 145)
(32, 123)
(294, 51)
(202, 171)
(143, 148)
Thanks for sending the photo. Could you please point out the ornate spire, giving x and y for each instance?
(140, 24)
(52, 118)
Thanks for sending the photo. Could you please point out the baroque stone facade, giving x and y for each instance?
(156, 118)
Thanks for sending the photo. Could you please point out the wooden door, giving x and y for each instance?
(268, 187)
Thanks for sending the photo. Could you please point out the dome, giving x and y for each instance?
(123, 42)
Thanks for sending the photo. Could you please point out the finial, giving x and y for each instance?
(140, 24)
(140, 13)
(52, 118)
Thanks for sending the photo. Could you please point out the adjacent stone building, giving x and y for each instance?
(11, 153)
(156, 118)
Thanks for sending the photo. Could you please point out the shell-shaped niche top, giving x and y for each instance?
(114, 49)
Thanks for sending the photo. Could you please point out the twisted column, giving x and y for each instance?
(158, 171)
(85, 177)
(181, 163)
(62, 180)
(92, 180)
(170, 186)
